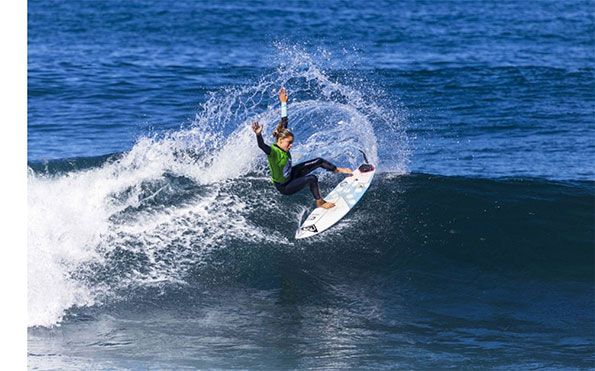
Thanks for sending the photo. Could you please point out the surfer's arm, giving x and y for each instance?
(257, 128)
(283, 99)
(266, 149)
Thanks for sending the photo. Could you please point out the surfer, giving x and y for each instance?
(290, 179)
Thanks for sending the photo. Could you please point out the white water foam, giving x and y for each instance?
(79, 220)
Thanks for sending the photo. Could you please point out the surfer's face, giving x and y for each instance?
(285, 143)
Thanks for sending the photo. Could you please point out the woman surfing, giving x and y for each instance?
(290, 179)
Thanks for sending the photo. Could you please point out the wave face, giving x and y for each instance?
(425, 266)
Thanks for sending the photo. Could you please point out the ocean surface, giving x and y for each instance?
(156, 240)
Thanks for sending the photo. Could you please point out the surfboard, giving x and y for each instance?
(345, 195)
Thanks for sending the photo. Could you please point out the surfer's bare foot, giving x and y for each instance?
(344, 170)
(324, 204)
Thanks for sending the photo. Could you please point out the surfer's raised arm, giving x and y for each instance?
(281, 126)
(258, 130)
(283, 99)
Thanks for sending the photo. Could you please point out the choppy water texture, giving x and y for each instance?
(156, 240)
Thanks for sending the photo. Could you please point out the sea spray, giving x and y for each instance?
(149, 215)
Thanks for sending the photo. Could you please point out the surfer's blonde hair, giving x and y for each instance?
(281, 132)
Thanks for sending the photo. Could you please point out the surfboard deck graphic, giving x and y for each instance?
(345, 195)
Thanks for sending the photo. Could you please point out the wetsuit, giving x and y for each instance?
(291, 179)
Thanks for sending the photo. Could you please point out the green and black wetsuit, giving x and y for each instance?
(290, 179)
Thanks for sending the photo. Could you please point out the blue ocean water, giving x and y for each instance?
(155, 239)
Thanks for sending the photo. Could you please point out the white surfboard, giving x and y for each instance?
(345, 195)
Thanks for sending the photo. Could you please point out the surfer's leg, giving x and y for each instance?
(304, 168)
(298, 184)
(314, 189)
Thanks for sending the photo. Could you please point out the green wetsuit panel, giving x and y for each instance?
(279, 164)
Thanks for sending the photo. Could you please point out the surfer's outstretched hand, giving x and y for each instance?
(344, 170)
(256, 127)
(283, 95)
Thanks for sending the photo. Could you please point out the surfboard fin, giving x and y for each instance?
(364, 168)
(365, 157)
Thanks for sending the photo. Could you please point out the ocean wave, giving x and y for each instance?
(194, 206)
(104, 225)
(172, 230)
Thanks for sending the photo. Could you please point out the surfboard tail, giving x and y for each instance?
(365, 168)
